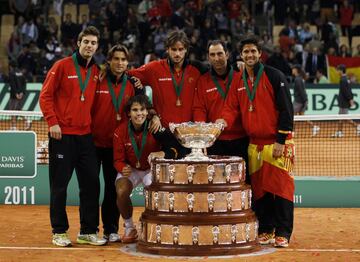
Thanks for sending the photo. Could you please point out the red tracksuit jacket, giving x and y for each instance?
(124, 152)
(104, 120)
(208, 104)
(157, 75)
(60, 96)
(272, 119)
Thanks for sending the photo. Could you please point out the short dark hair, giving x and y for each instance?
(341, 68)
(299, 70)
(250, 39)
(143, 100)
(177, 36)
(117, 48)
(218, 42)
(90, 30)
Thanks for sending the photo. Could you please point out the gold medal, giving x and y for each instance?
(178, 102)
(82, 98)
(118, 117)
(251, 108)
(138, 164)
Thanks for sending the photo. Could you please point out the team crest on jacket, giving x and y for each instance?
(191, 79)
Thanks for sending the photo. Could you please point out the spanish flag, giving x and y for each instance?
(352, 67)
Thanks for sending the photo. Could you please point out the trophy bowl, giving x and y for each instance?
(197, 136)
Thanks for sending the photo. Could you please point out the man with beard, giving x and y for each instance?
(115, 89)
(211, 93)
(173, 80)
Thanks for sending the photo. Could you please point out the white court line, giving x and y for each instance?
(118, 248)
(319, 250)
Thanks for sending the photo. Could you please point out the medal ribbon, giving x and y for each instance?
(117, 101)
(82, 84)
(251, 94)
(177, 87)
(138, 152)
(218, 87)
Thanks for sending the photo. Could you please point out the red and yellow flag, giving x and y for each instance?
(352, 67)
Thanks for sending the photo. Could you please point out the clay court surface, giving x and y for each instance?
(319, 235)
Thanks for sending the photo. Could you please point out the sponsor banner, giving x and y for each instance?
(17, 154)
(322, 98)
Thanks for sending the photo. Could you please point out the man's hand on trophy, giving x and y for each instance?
(126, 171)
(153, 155)
(221, 121)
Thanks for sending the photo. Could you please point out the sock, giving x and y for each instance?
(129, 223)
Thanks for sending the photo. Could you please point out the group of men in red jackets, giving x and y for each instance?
(102, 118)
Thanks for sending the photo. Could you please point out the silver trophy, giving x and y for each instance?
(196, 136)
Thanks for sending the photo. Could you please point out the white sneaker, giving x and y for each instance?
(113, 237)
(91, 239)
(315, 130)
(13, 128)
(61, 240)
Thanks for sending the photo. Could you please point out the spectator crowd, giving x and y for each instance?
(38, 41)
